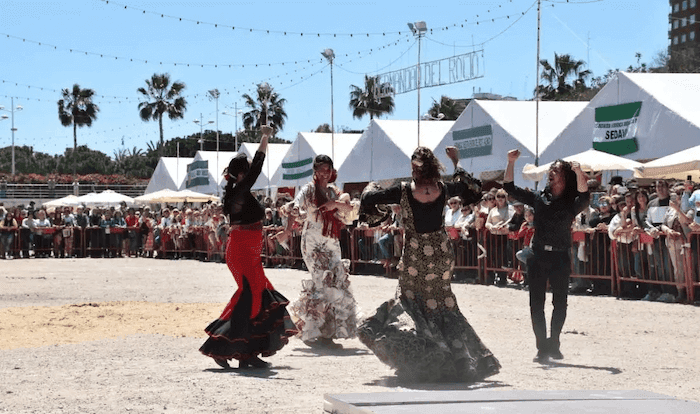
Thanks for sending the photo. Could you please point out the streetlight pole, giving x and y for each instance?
(235, 114)
(330, 55)
(12, 128)
(201, 130)
(418, 29)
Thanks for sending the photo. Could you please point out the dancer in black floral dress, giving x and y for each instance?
(422, 333)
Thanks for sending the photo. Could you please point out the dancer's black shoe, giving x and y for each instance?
(553, 350)
(542, 357)
(222, 362)
(253, 362)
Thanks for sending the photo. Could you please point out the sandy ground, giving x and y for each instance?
(121, 335)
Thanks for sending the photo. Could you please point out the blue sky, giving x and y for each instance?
(127, 41)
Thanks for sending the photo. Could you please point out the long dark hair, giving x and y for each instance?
(320, 197)
(426, 166)
(570, 180)
(237, 165)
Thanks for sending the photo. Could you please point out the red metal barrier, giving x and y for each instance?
(692, 265)
(469, 254)
(598, 265)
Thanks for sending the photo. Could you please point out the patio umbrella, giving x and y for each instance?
(195, 197)
(678, 165)
(69, 200)
(165, 195)
(107, 198)
(591, 160)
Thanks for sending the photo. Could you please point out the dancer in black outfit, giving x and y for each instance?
(255, 321)
(564, 197)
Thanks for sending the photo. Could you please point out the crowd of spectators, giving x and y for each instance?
(648, 229)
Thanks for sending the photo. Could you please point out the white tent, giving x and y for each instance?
(384, 150)
(69, 200)
(295, 168)
(487, 130)
(639, 116)
(591, 160)
(204, 172)
(273, 159)
(678, 166)
(167, 195)
(107, 198)
(169, 173)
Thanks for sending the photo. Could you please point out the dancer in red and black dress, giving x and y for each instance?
(255, 321)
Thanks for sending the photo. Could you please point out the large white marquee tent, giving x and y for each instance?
(273, 159)
(486, 130)
(169, 173)
(384, 150)
(667, 117)
(295, 168)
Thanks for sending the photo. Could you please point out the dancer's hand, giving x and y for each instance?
(513, 155)
(266, 130)
(452, 153)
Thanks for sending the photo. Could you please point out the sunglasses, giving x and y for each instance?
(490, 198)
(500, 196)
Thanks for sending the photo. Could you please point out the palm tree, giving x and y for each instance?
(162, 98)
(369, 100)
(266, 108)
(450, 108)
(77, 109)
(557, 78)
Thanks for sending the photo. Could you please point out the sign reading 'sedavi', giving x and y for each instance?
(473, 142)
(615, 128)
(197, 174)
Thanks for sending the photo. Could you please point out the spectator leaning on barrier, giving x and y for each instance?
(8, 226)
(675, 227)
(660, 264)
(621, 229)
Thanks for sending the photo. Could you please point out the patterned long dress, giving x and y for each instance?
(326, 307)
(422, 333)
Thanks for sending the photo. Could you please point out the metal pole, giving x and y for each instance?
(13, 129)
(235, 133)
(332, 123)
(537, 94)
(419, 36)
(201, 133)
(218, 187)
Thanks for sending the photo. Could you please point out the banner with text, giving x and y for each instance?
(197, 174)
(436, 73)
(298, 169)
(473, 142)
(615, 128)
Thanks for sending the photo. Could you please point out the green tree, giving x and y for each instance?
(267, 107)
(160, 98)
(323, 128)
(375, 99)
(77, 109)
(450, 108)
(565, 80)
(132, 163)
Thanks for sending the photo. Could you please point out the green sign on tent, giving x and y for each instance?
(298, 169)
(615, 128)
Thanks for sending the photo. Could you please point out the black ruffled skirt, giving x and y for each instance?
(239, 337)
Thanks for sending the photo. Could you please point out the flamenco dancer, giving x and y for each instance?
(421, 333)
(325, 309)
(255, 321)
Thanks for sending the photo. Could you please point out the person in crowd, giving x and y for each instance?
(326, 309)
(43, 236)
(68, 231)
(26, 232)
(675, 226)
(148, 225)
(660, 262)
(81, 223)
(421, 333)
(255, 321)
(8, 227)
(581, 247)
(271, 225)
(453, 211)
(639, 218)
(621, 229)
(525, 233)
(565, 195)
(390, 228)
(97, 235)
(58, 222)
(133, 232)
(600, 254)
(496, 240)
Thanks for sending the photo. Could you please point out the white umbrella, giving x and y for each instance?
(107, 198)
(69, 200)
(169, 196)
(591, 160)
(165, 195)
(678, 165)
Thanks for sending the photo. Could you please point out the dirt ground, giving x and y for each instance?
(122, 335)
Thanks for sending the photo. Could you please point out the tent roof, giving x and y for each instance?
(518, 119)
(591, 160)
(678, 165)
(384, 150)
(169, 173)
(273, 159)
(676, 91)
